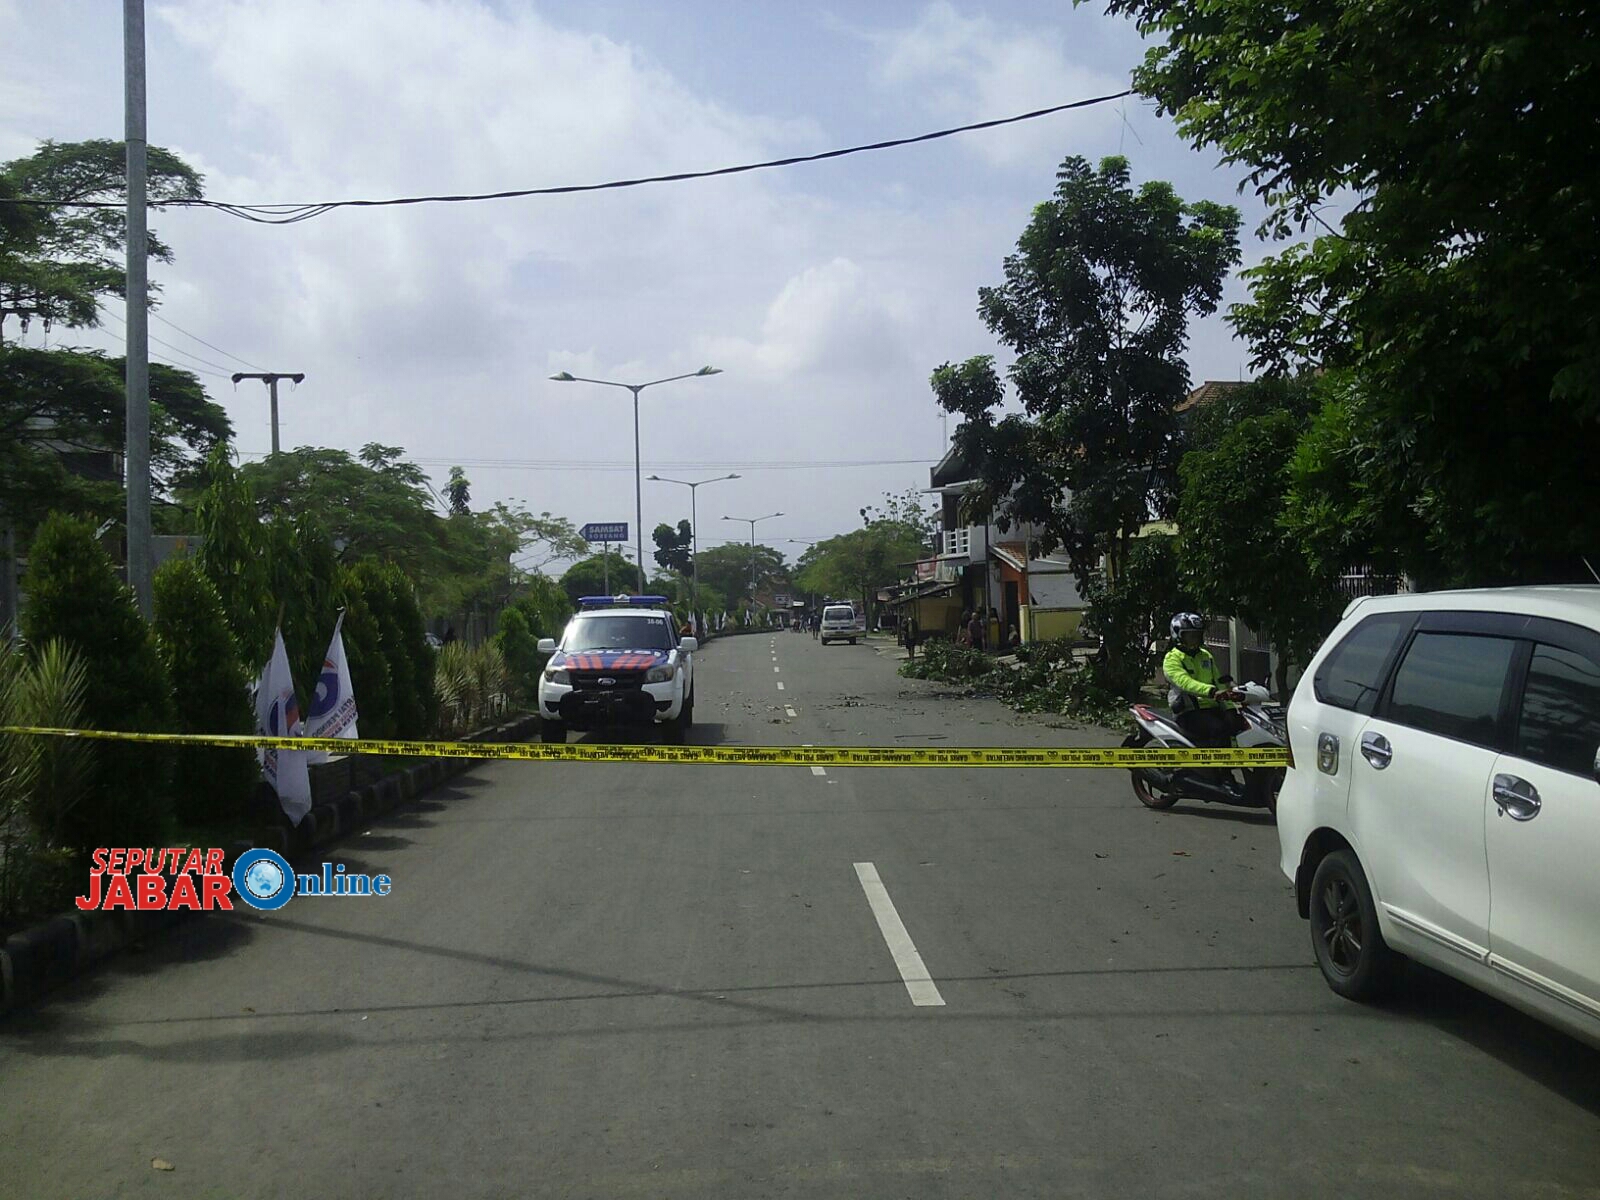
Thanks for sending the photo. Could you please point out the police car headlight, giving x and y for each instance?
(661, 674)
(556, 675)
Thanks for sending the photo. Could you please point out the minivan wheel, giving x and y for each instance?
(1355, 960)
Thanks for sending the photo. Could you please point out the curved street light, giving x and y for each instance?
(752, 521)
(694, 529)
(635, 388)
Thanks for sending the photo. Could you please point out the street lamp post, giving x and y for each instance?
(694, 530)
(752, 521)
(638, 485)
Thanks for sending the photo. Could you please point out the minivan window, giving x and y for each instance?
(1559, 725)
(1352, 675)
(1451, 684)
(839, 613)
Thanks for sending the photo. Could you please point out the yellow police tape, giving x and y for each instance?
(738, 756)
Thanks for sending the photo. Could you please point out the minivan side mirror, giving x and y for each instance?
(688, 645)
(547, 645)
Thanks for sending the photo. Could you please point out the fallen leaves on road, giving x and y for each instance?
(161, 1164)
(1180, 854)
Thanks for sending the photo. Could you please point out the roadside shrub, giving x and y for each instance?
(519, 647)
(363, 647)
(74, 596)
(472, 685)
(412, 640)
(210, 686)
(42, 780)
(233, 555)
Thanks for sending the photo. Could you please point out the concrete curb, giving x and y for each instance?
(41, 958)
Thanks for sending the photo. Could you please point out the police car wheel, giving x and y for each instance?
(553, 732)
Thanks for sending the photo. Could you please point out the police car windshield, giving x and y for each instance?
(618, 631)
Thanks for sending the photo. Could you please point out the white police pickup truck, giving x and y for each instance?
(619, 664)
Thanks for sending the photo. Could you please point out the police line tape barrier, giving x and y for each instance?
(1121, 757)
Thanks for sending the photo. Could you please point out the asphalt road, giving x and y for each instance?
(641, 981)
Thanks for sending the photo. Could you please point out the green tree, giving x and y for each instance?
(378, 506)
(589, 576)
(1240, 558)
(210, 785)
(62, 418)
(1096, 306)
(459, 493)
(234, 556)
(56, 262)
(673, 547)
(910, 508)
(726, 569)
(519, 646)
(74, 596)
(858, 563)
(1458, 288)
(364, 648)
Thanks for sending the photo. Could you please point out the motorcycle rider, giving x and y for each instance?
(1196, 692)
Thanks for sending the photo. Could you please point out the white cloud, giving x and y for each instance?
(826, 294)
(974, 67)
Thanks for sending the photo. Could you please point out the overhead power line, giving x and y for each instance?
(289, 214)
(203, 342)
(567, 464)
(178, 350)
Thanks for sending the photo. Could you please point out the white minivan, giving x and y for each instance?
(840, 624)
(1443, 797)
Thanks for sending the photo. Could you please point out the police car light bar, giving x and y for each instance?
(622, 601)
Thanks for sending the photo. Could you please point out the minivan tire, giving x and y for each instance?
(1355, 960)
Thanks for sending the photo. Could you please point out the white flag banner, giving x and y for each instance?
(278, 715)
(333, 706)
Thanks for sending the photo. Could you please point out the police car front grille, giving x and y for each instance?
(585, 681)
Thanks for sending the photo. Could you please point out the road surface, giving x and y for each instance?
(636, 981)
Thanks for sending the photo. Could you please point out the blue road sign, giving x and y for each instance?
(604, 531)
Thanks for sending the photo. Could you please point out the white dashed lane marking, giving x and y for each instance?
(788, 710)
(907, 961)
(780, 685)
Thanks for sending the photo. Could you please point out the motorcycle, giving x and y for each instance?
(1261, 725)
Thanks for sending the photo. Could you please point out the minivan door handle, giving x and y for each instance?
(1376, 750)
(1516, 798)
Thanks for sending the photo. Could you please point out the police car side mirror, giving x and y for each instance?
(547, 645)
(688, 645)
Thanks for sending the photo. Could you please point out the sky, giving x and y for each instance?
(826, 293)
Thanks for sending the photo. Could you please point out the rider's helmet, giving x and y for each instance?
(1188, 623)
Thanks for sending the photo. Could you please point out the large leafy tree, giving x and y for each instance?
(593, 575)
(673, 546)
(1240, 556)
(1459, 286)
(62, 416)
(727, 568)
(1096, 305)
(857, 563)
(56, 262)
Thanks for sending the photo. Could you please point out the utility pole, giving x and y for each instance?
(270, 378)
(136, 450)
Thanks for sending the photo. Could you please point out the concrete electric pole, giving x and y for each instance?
(270, 378)
(136, 452)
